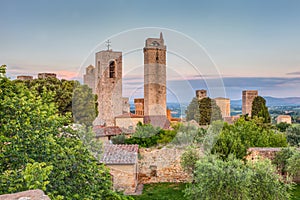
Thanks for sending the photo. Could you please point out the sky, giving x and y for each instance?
(222, 46)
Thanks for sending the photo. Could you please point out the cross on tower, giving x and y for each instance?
(108, 44)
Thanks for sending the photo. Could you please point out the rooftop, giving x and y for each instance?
(120, 154)
(101, 131)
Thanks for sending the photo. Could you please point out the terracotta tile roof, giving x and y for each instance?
(102, 131)
(129, 115)
(120, 154)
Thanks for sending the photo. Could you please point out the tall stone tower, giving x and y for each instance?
(247, 99)
(108, 76)
(200, 94)
(89, 77)
(224, 105)
(155, 81)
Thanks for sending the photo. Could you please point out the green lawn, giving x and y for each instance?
(162, 191)
(173, 191)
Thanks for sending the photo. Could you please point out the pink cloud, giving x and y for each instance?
(67, 75)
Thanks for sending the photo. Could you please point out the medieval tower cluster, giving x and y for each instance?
(105, 80)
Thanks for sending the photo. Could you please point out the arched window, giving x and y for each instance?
(112, 69)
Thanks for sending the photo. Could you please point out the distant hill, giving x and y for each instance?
(273, 101)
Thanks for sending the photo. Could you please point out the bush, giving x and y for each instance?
(237, 138)
(232, 179)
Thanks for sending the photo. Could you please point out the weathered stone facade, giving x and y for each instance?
(108, 76)
(139, 106)
(200, 94)
(128, 120)
(46, 75)
(155, 77)
(24, 78)
(284, 118)
(89, 77)
(122, 162)
(256, 153)
(224, 105)
(26, 195)
(126, 105)
(247, 99)
(161, 165)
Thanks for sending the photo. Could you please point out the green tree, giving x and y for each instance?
(31, 131)
(293, 164)
(192, 112)
(282, 126)
(259, 109)
(281, 159)
(237, 138)
(84, 105)
(189, 158)
(3, 71)
(293, 135)
(232, 179)
(209, 111)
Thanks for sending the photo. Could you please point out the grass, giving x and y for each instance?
(162, 191)
(174, 191)
(296, 193)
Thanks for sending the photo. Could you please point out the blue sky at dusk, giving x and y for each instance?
(251, 44)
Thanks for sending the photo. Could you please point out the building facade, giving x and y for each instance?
(25, 78)
(89, 77)
(108, 74)
(284, 118)
(247, 99)
(224, 105)
(155, 77)
(46, 75)
(139, 106)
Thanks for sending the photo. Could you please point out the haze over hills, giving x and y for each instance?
(273, 101)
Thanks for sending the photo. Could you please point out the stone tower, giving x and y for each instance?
(247, 99)
(155, 80)
(200, 94)
(224, 105)
(108, 76)
(89, 77)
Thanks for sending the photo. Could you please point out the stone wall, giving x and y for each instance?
(26, 195)
(256, 153)
(124, 177)
(161, 165)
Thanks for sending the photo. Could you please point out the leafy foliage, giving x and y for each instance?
(203, 111)
(65, 93)
(237, 138)
(293, 135)
(147, 136)
(209, 111)
(192, 112)
(33, 133)
(188, 135)
(84, 106)
(2, 71)
(282, 126)
(293, 164)
(281, 159)
(259, 109)
(232, 179)
(189, 158)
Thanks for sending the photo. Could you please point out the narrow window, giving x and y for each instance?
(112, 69)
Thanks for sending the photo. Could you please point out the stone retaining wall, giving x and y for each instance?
(161, 165)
